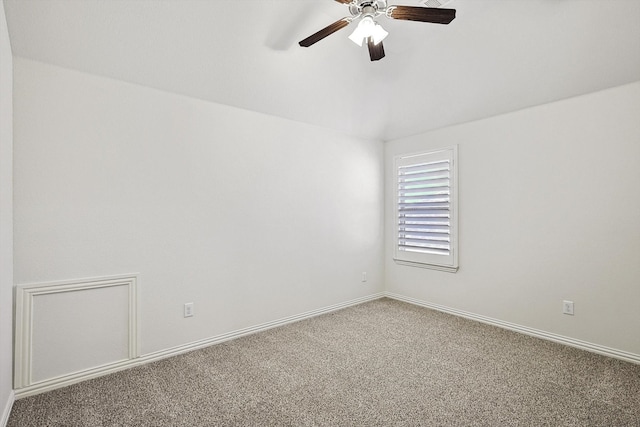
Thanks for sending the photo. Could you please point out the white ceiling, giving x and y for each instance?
(496, 56)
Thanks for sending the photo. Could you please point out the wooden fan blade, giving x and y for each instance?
(326, 31)
(376, 52)
(423, 14)
(344, 1)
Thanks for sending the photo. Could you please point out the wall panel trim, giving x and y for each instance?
(24, 325)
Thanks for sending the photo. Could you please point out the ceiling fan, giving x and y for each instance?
(370, 31)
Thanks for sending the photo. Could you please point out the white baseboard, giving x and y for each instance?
(174, 351)
(152, 357)
(77, 377)
(72, 378)
(7, 409)
(583, 345)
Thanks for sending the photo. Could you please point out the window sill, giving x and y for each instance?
(446, 268)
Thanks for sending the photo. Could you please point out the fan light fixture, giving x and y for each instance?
(369, 32)
(368, 28)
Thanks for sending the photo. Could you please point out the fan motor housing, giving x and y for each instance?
(367, 7)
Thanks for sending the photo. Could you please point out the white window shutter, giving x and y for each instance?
(425, 207)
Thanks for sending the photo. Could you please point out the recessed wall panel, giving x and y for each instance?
(74, 328)
(79, 330)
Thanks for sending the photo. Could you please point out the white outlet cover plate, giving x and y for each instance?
(567, 307)
(188, 309)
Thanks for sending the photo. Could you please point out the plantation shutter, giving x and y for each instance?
(425, 208)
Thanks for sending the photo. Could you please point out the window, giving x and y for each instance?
(426, 210)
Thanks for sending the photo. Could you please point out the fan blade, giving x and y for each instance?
(327, 31)
(376, 52)
(344, 1)
(422, 14)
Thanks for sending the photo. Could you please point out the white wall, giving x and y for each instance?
(549, 210)
(256, 218)
(6, 218)
(251, 217)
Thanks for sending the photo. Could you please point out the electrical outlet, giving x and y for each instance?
(364, 276)
(188, 309)
(567, 307)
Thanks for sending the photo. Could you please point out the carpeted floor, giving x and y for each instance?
(382, 363)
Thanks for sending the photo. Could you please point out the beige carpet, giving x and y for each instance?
(382, 363)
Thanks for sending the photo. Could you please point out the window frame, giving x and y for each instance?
(448, 263)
